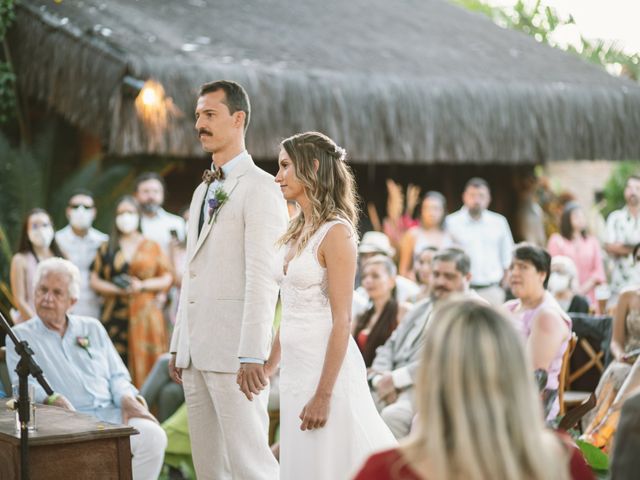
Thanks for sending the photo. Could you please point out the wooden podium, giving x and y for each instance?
(66, 445)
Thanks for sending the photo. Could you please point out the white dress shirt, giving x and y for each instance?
(226, 169)
(488, 242)
(158, 228)
(81, 251)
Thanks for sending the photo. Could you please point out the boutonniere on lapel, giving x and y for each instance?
(83, 342)
(220, 197)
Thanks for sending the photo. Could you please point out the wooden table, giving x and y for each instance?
(67, 445)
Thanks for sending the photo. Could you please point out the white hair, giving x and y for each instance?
(60, 266)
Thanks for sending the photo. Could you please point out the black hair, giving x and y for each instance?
(146, 176)
(24, 244)
(81, 191)
(535, 255)
(236, 98)
(566, 229)
(113, 244)
(381, 330)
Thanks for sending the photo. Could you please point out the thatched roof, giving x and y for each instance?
(414, 81)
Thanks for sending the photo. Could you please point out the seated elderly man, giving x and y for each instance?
(82, 365)
(394, 368)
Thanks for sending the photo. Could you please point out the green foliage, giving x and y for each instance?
(31, 177)
(5, 261)
(614, 188)
(542, 22)
(7, 77)
(7, 96)
(595, 458)
(7, 15)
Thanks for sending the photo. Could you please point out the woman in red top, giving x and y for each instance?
(479, 415)
(373, 327)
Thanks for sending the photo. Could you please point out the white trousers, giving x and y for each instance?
(229, 434)
(147, 449)
(399, 415)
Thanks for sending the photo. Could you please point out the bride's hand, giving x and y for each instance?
(315, 413)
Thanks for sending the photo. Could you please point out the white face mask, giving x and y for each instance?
(127, 222)
(558, 282)
(41, 237)
(81, 218)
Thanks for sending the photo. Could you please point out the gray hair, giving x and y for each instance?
(454, 254)
(60, 266)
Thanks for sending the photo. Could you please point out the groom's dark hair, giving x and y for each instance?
(236, 98)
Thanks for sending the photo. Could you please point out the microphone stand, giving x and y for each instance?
(26, 366)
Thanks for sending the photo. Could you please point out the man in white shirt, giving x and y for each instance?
(487, 239)
(157, 224)
(623, 233)
(79, 241)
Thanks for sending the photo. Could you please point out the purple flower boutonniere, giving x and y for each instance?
(220, 197)
(83, 342)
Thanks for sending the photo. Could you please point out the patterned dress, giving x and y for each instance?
(134, 322)
(600, 424)
(622, 227)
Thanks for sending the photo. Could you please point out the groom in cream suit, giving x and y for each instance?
(227, 303)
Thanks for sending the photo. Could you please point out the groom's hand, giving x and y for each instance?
(174, 372)
(252, 379)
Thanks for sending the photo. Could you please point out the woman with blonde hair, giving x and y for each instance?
(328, 421)
(479, 414)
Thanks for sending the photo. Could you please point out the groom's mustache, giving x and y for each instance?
(203, 131)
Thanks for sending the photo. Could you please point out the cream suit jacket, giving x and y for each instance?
(229, 289)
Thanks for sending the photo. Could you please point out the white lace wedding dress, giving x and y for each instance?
(354, 428)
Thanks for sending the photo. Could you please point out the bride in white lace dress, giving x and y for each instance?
(328, 421)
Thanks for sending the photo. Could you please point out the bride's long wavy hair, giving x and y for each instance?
(330, 188)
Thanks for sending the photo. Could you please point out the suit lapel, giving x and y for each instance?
(194, 213)
(417, 332)
(229, 185)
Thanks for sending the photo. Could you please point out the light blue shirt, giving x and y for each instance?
(227, 168)
(93, 380)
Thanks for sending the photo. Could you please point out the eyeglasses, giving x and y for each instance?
(75, 206)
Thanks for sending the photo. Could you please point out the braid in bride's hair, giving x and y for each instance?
(330, 189)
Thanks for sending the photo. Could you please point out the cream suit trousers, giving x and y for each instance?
(229, 434)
